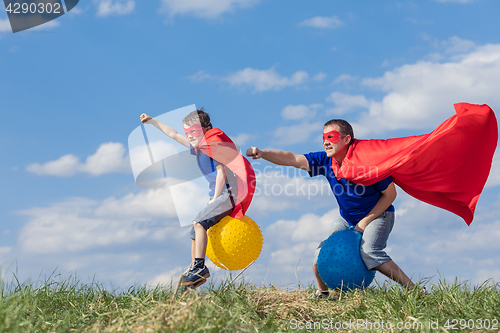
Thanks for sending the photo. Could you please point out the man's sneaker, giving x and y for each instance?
(320, 294)
(195, 277)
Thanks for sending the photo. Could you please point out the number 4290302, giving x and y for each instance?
(33, 8)
(471, 324)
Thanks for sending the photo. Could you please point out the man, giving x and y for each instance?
(368, 208)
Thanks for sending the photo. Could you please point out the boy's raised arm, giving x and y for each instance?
(280, 157)
(169, 131)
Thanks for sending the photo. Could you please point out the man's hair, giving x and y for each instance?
(198, 116)
(345, 127)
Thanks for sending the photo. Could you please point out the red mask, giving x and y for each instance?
(195, 130)
(332, 136)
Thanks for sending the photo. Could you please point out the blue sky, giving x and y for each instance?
(270, 75)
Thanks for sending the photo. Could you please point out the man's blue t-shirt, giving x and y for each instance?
(207, 167)
(355, 201)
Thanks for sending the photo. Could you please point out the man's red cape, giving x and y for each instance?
(218, 145)
(447, 168)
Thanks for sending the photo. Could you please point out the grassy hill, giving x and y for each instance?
(70, 306)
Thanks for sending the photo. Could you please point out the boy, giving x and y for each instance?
(229, 194)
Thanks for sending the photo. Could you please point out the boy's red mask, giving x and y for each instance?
(332, 136)
(195, 130)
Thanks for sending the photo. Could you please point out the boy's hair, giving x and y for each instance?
(198, 116)
(345, 127)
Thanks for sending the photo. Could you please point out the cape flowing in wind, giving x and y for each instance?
(447, 168)
(218, 145)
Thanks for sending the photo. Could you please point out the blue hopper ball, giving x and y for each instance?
(340, 264)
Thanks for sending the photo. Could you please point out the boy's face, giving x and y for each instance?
(194, 133)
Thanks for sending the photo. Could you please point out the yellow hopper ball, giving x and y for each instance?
(234, 243)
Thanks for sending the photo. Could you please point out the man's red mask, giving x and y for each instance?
(332, 136)
(195, 130)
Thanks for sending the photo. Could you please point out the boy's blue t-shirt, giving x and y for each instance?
(207, 167)
(355, 201)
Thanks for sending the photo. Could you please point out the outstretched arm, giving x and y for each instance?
(167, 130)
(387, 198)
(280, 157)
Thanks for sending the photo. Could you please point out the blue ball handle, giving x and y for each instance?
(357, 233)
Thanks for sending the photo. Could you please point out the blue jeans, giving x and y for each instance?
(373, 242)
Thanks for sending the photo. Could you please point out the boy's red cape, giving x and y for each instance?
(447, 168)
(218, 145)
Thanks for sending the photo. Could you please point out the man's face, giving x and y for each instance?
(334, 142)
(194, 134)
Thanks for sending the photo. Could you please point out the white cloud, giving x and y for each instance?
(456, 45)
(5, 255)
(209, 9)
(319, 77)
(344, 103)
(299, 111)
(109, 157)
(323, 22)
(294, 242)
(48, 25)
(241, 139)
(168, 278)
(494, 177)
(64, 166)
(344, 78)
(70, 227)
(114, 7)
(263, 80)
(5, 26)
(200, 76)
(421, 95)
(78, 224)
(77, 11)
(287, 135)
(427, 239)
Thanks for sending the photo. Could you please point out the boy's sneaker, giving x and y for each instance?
(195, 277)
(188, 269)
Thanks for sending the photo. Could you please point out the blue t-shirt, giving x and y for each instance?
(207, 167)
(355, 201)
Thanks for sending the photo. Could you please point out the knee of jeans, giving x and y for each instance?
(370, 253)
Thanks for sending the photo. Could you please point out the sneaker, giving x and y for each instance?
(191, 266)
(195, 277)
(320, 294)
(424, 290)
(185, 288)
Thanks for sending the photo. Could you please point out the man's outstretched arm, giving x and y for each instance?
(280, 157)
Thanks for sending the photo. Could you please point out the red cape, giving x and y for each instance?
(447, 168)
(218, 145)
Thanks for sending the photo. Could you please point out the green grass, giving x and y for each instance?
(67, 305)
